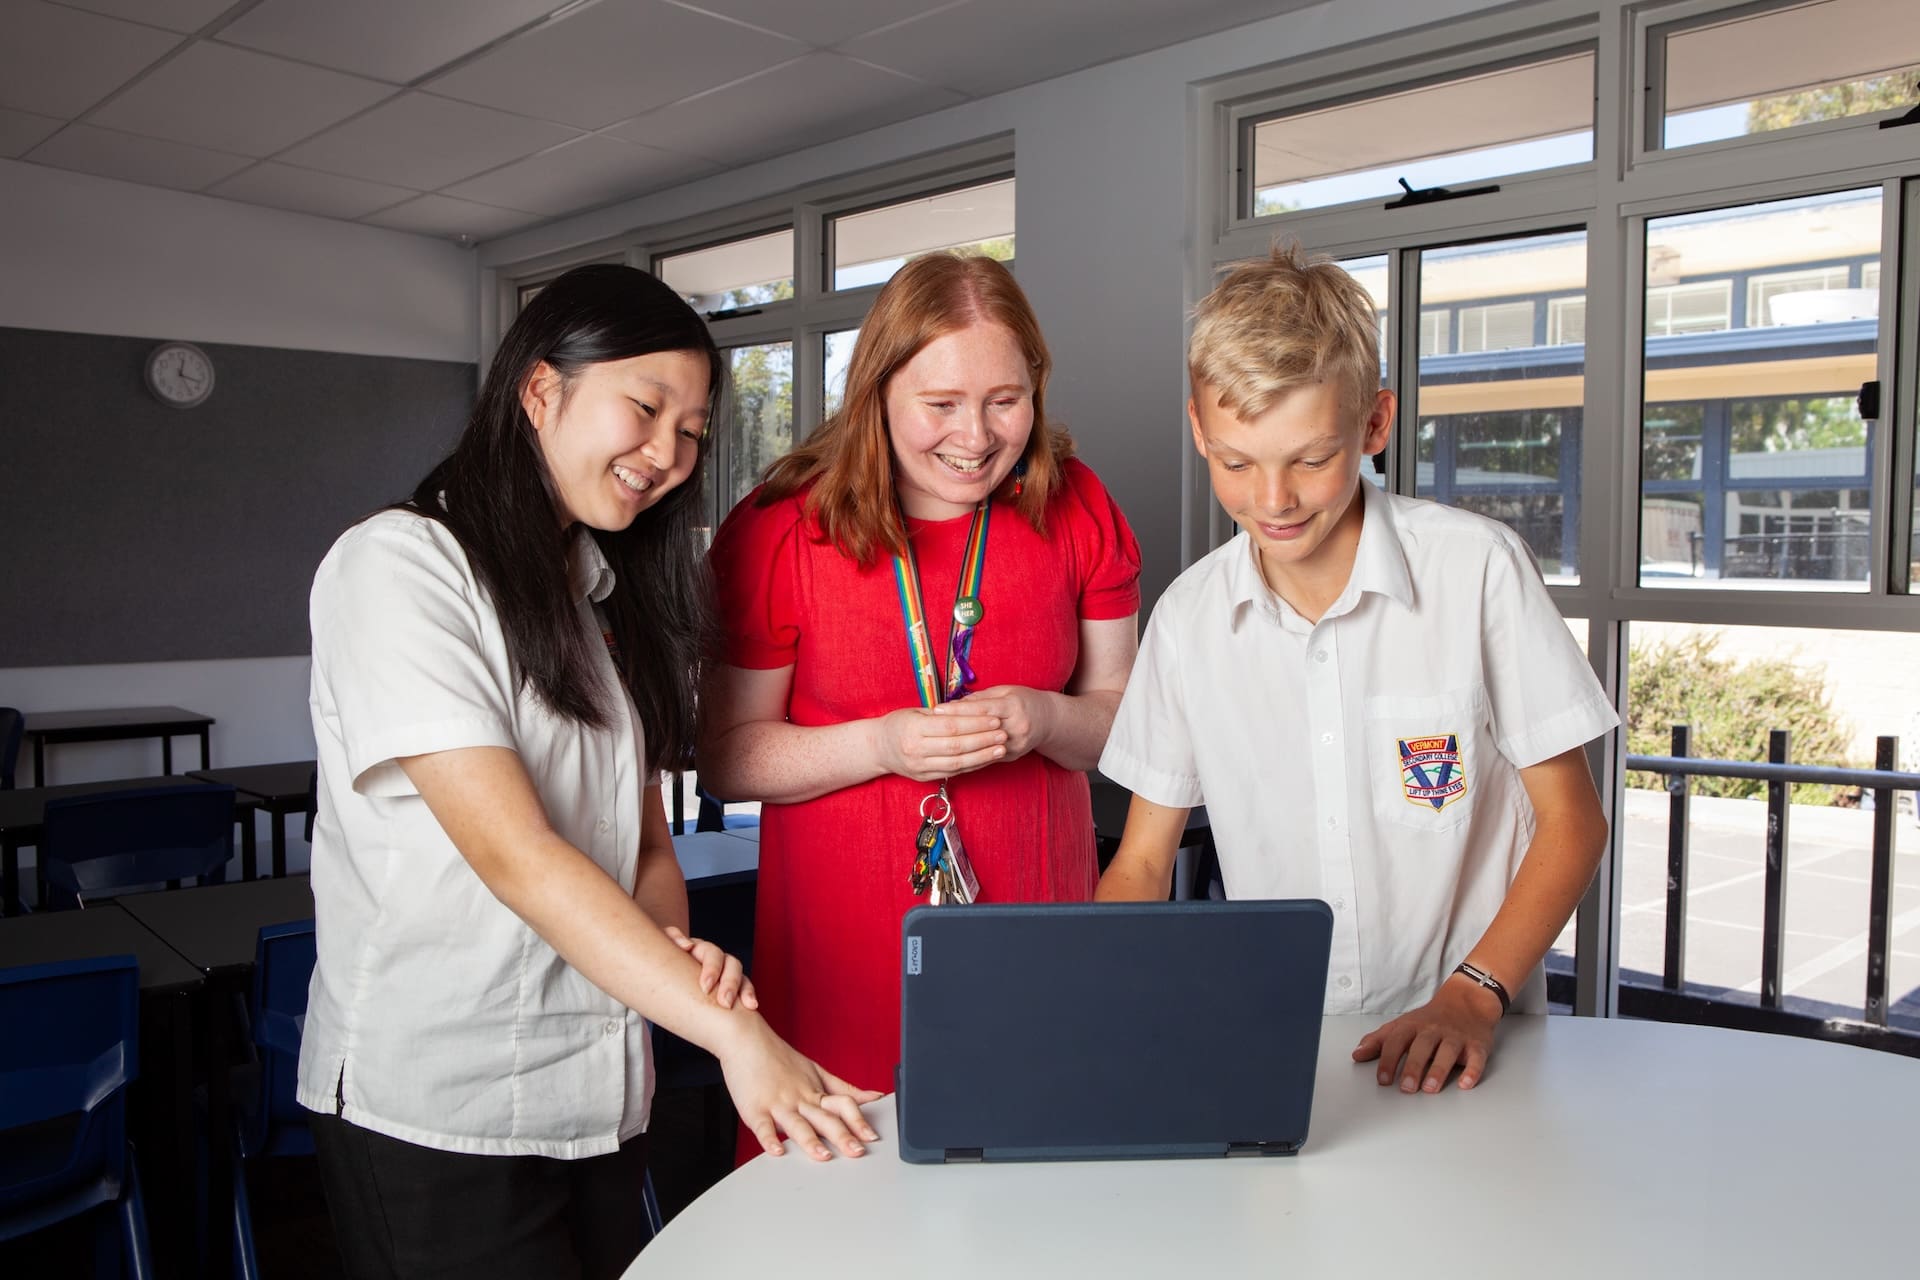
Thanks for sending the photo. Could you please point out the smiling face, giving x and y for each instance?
(958, 417)
(621, 435)
(1290, 476)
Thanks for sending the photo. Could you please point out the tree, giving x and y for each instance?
(1835, 101)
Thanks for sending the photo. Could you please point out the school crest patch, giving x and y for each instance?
(1431, 771)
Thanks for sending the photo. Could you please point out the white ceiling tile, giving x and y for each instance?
(1030, 42)
(396, 40)
(583, 174)
(424, 142)
(58, 62)
(612, 60)
(445, 216)
(814, 99)
(20, 132)
(122, 155)
(236, 100)
(174, 15)
(308, 191)
(821, 22)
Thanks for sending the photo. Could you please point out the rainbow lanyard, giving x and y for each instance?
(967, 613)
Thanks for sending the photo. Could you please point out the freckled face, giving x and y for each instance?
(958, 417)
(1290, 476)
(622, 436)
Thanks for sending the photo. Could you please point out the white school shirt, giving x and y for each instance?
(436, 1015)
(1370, 759)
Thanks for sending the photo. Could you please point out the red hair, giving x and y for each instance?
(846, 464)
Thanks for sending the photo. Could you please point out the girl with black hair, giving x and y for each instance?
(501, 668)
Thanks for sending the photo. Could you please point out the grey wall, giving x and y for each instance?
(143, 533)
(87, 255)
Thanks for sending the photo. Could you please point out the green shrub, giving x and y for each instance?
(1731, 706)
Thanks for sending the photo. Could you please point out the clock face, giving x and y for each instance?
(180, 374)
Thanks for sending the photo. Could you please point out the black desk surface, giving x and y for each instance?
(275, 783)
(100, 930)
(217, 926)
(132, 719)
(23, 810)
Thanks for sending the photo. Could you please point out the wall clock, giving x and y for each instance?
(179, 374)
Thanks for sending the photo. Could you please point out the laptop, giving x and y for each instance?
(1094, 1031)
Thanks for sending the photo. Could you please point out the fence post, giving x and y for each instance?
(1773, 923)
(1880, 887)
(1679, 790)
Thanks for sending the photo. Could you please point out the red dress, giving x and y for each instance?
(833, 870)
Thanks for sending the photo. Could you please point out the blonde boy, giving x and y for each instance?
(1373, 695)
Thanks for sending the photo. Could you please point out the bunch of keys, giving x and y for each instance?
(941, 870)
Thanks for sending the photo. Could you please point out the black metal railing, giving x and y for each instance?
(1671, 1000)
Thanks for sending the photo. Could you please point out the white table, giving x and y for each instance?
(1593, 1148)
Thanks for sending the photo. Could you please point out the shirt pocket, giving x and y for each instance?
(1423, 757)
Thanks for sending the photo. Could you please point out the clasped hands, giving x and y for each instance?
(1000, 723)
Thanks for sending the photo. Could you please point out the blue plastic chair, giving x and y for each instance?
(117, 840)
(13, 726)
(70, 1055)
(713, 815)
(267, 1119)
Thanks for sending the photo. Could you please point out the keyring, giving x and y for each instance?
(945, 807)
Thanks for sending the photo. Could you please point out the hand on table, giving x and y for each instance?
(929, 745)
(1025, 715)
(722, 976)
(1455, 1028)
(779, 1090)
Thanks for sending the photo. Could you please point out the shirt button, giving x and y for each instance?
(1339, 904)
(604, 824)
(613, 1026)
(1319, 655)
(1332, 822)
(1326, 737)
(1345, 982)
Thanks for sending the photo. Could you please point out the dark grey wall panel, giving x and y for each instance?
(134, 532)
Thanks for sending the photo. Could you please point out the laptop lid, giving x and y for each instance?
(1104, 1030)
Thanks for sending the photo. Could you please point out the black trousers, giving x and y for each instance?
(406, 1212)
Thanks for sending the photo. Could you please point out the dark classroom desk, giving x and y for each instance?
(279, 790)
(113, 724)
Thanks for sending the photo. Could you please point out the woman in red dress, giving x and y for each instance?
(818, 709)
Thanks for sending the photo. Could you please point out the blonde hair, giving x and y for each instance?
(846, 465)
(1285, 322)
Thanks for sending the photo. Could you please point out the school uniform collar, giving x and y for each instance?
(588, 572)
(1379, 566)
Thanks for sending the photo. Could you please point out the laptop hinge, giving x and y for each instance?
(1259, 1148)
(964, 1155)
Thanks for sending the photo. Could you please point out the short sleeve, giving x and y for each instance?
(1149, 750)
(400, 646)
(754, 562)
(1552, 702)
(1106, 552)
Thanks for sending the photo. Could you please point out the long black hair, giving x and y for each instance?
(501, 504)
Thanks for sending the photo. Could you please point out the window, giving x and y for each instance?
(1500, 433)
(1785, 67)
(732, 276)
(1496, 327)
(1730, 304)
(869, 247)
(837, 352)
(1703, 307)
(1461, 130)
(1566, 321)
(762, 413)
(1754, 460)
